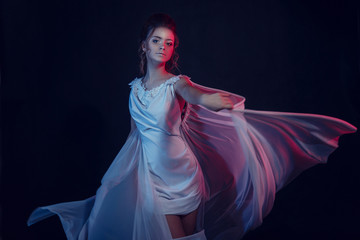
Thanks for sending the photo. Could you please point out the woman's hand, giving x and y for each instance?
(216, 101)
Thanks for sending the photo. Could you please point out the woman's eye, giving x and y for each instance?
(155, 41)
(169, 44)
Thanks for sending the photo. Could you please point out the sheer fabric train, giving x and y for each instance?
(245, 157)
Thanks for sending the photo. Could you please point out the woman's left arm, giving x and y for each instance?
(215, 101)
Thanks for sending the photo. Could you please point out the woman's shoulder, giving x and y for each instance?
(134, 82)
(179, 77)
(183, 79)
(174, 78)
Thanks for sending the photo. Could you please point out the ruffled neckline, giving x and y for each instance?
(154, 89)
(144, 95)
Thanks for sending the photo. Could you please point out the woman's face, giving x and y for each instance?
(160, 45)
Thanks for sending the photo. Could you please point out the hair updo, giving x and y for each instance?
(154, 21)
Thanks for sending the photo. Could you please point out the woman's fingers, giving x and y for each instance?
(224, 94)
(228, 106)
(226, 100)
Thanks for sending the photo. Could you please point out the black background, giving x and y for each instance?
(65, 69)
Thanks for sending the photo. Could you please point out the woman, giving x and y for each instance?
(207, 169)
(157, 50)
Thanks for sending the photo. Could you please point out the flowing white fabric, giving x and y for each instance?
(229, 164)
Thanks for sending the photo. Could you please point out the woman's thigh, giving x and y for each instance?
(175, 226)
(189, 222)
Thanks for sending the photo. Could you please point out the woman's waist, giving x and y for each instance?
(150, 131)
(163, 143)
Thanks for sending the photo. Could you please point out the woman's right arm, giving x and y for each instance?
(215, 101)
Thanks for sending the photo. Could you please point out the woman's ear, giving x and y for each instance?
(143, 46)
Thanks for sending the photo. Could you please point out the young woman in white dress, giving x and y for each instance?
(158, 57)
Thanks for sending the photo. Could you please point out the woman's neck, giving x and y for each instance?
(156, 73)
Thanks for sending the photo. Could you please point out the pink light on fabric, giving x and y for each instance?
(260, 151)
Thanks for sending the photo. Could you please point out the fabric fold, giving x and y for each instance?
(248, 155)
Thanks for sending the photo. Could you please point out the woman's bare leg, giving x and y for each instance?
(175, 226)
(189, 222)
(181, 226)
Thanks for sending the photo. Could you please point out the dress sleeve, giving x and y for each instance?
(134, 82)
(173, 80)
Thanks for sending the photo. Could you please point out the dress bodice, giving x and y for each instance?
(173, 168)
(157, 109)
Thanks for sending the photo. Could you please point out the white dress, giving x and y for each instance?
(174, 170)
(228, 164)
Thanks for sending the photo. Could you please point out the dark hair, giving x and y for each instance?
(154, 21)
